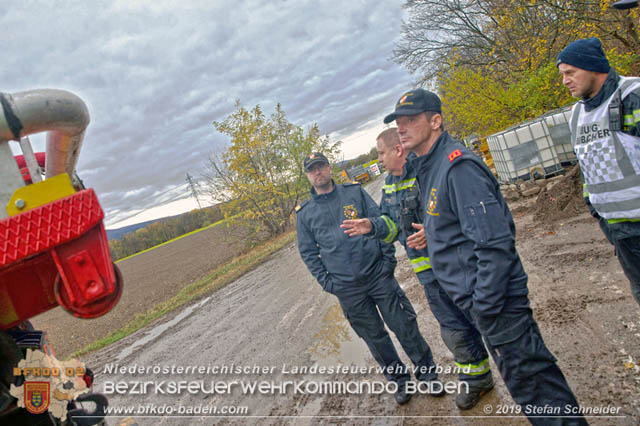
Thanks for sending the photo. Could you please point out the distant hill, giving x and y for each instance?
(116, 234)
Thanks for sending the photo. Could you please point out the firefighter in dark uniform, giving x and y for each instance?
(359, 271)
(471, 244)
(401, 219)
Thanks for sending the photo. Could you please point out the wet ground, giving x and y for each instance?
(274, 324)
(150, 278)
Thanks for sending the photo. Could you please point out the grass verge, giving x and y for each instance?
(215, 280)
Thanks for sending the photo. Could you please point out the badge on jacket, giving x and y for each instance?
(350, 212)
(432, 203)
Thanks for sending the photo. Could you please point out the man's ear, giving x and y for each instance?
(398, 150)
(436, 121)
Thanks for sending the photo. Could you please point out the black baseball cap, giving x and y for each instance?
(314, 158)
(625, 4)
(414, 102)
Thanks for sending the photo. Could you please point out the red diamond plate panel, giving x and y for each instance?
(50, 225)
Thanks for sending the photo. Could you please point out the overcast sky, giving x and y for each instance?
(155, 76)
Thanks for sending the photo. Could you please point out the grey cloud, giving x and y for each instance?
(155, 76)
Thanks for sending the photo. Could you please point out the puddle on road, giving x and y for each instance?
(157, 331)
(336, 343)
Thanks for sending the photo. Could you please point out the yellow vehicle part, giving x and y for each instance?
(363, 178)
(37, 194)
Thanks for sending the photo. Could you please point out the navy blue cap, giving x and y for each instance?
(414, 102)
(314, 158)
(586, 54)
(626, 4)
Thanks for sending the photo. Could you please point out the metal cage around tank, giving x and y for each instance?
(536, 148)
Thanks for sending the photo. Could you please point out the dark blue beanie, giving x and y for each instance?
(586, 54)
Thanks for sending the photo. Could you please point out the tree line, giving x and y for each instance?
(163, 231)
(362, 158)
(493, 61)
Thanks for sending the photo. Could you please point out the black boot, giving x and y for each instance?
(402, 397)
(472, 393)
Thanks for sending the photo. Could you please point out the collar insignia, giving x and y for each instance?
(455, 154)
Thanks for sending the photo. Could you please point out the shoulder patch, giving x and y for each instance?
(301, 205)
(455, 154)
(351, 183)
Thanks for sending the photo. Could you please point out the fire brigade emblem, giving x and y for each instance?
(432, 203)
(403, 99)
(36, 396)
(350, 212)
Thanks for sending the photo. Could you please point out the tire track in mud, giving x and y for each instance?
(582, 302)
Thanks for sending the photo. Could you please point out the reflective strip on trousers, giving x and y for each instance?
(474, 369)
(622, 220)
(420, 264)
(405, 184)
(393, 230)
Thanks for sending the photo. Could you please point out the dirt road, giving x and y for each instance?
(150, 278)
(276, 319)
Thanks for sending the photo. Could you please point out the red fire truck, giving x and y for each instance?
(53, 245)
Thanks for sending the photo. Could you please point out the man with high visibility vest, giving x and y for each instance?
(401, 220)
(605, 133)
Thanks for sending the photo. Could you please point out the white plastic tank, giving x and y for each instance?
(539, 147)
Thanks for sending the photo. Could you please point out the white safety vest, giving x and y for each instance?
(610, 160)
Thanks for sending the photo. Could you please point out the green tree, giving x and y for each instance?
(260, 176)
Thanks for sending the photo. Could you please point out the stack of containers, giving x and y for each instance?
(537, 148)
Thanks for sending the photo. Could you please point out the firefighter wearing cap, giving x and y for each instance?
(471, 244)
(359, 272)
(402, 211)
(605, 133)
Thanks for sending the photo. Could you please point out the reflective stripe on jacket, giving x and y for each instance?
(388, 227)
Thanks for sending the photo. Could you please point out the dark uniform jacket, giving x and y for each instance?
(334, 258)
(470, 231)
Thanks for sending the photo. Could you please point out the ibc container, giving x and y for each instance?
(540, 146)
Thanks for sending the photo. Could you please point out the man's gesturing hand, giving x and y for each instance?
(353, 227)
(418, 240)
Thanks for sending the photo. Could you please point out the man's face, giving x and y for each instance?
(413, 130)
(390, 157)
(581, 83)
(319, 175)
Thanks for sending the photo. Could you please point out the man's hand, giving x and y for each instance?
(417, 241)
(353, 227)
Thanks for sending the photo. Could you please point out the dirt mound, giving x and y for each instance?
(562, 200)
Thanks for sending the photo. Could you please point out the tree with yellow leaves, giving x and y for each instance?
(260, 176)
(493, 61)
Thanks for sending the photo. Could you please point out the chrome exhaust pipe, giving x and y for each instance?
(63, 114)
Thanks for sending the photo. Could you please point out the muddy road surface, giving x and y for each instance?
(275, 326)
